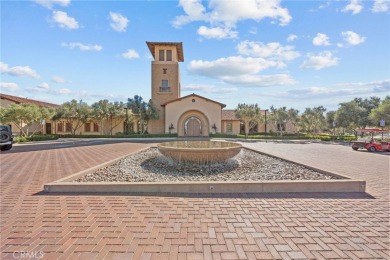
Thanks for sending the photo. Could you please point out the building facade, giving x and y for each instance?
(191, 115)
(44, 126)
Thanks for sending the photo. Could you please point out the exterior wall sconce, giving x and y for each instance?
(214, 127)
(171, 127)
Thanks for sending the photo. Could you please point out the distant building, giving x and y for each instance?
(6, 100)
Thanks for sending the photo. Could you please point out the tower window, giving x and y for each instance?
(164, 71)
(161, 56)
(169, 55)
(165, 86)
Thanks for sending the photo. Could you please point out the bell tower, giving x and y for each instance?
(165, 78)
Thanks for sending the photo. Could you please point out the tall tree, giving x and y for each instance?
(100, 112)
(116, 115)
(313, 119)
(368, 104)
(281, 116)
(23, 115)
(75, 113)
(349, 116)
(249, 114)
(143, 111)
(381, 112)
(330, 118)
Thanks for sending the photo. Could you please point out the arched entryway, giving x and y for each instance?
(193, 127)
(193, 123)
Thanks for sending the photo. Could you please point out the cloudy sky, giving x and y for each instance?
(284, 53)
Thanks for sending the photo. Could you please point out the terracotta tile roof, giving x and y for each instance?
(194, 95)
(229, 114)
(179, 47)
(20, 100)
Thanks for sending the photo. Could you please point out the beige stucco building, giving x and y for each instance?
(63, 126)
(191, 115)
(45, 126)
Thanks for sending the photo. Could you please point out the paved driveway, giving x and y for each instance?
(246, 226)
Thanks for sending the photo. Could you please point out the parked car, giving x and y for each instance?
(6, 138)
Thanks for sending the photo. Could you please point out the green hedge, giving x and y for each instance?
(322, 137)
(23, 139)
(120, 136)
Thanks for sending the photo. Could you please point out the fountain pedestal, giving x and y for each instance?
(201, 152)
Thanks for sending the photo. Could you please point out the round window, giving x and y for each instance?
(193, 100)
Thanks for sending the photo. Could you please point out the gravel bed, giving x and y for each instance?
(151, 166)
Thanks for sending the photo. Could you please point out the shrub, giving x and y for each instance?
(119, 135)
(23, 139)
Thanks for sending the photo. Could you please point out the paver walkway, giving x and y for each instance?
(245, 226)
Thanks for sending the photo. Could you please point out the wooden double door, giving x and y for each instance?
(193, 127)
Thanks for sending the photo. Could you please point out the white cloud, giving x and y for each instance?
(353, 38)
(82, 47)
(239, 70)
(65, 21)
(217, 33)
(325, 5)
(226, 14)
(292, 37)
(209, 89)
(380, 6)
(321, 40)
(338, 90)
(50, 3)
(118, 22)
(365, 88)
(354, 6)
(273, 51)
(230, 66)
(9, 86)
(320, 61)
(43, 86)
(385, 84)
(58, 79)
(260, 80)
(130, 54)
(18, 71)
(194, 10)
(63, 91)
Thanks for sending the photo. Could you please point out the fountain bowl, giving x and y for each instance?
(201, 152)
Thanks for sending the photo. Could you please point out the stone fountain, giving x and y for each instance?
(200, 152)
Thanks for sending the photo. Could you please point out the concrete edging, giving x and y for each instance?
(209, 187)
(66, 185)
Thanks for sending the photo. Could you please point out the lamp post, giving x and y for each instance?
(382, 124)
(126, 121)
(265, 121)
(334, 130)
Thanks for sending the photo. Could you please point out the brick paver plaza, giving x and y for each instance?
(246, 226)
